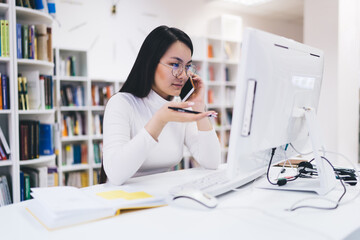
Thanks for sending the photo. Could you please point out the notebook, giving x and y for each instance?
(58, 207)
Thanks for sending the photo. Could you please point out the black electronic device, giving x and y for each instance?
(187, 90)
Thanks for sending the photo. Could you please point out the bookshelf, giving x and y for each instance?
(217, 58)
(12, 65)
(81, 99)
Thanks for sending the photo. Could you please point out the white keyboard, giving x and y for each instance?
(203, 183)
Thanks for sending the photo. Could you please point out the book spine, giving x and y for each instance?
(32, 42)
(42, 50)
(36, 139)
(2, 31)
(1, 101)
(5, 91)
(22, 186)
(7, 38)
(25, 40)
(4, 142)
(19, 41)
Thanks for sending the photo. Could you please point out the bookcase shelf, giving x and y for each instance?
(217, 58)
(4, 59)
(36, 16)
(10, 119)
(35, 112)
(5, 112)
(6, 163)
(33, 62)
(75, 167)
(41, 161)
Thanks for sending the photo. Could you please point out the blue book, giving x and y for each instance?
(5, 91)
(77, 153)
(46, 139)
(19, 40)
(22, 186)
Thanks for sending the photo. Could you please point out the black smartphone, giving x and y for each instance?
(187, 90)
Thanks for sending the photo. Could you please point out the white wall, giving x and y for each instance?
(333, 26)
(113, 41)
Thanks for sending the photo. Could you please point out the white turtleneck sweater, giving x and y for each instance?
(130, 150)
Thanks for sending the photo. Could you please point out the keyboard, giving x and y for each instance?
(203, 183)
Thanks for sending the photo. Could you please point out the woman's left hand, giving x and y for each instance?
(199, 94)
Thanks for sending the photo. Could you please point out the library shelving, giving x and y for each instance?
(217, 59)
(79, 114)
(12, 116)
(71, 83)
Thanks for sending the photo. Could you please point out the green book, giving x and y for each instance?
(7, 39)
(27, 186)
(2, 32)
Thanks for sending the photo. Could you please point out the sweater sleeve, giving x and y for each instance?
(123, 156)
(203, 145)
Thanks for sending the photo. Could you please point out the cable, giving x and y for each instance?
(325, 208)
(268, 170)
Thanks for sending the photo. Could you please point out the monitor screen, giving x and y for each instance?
(277, 77)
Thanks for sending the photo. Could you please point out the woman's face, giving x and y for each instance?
(165, 84)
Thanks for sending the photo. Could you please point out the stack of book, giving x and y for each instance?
(101, 94)
(72, 95)
(35, 91)
(73, 124)
(75, 154)
(35, 139)
(34, 42)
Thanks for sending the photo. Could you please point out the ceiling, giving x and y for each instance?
(288, 10)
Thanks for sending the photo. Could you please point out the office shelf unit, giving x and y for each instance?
(81, 103)
(217, 58)
(219, 70)
(101, 90)
(71, 75)
(9, 119)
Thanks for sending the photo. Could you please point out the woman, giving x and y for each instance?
(141, 134)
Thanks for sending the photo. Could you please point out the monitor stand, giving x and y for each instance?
(326, 180)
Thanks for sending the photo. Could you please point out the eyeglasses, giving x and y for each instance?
(178, 68)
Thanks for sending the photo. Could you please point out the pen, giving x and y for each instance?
(188, 111)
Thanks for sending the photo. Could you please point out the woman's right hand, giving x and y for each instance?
(165, 115)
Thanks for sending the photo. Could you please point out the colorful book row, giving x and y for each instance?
(34, 42)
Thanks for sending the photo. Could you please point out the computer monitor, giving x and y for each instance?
(279, 84)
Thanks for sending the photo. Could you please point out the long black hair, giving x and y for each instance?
(141, 77)
(142, 74)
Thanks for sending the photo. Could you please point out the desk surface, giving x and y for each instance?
(250, 213)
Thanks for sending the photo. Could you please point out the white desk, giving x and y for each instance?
(250, 213)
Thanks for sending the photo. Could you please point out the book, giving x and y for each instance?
(25, 40)
(31, 42)
(19, 40)
(7, 38)
(4, 142)
(59, 207)
(33, 88)
(2, 32)
(5, 91)
(42, 36)
(46, 139)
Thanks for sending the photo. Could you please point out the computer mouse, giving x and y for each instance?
(194, 199)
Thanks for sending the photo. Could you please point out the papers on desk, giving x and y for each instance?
(57, 207)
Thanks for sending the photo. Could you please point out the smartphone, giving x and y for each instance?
(187, 90)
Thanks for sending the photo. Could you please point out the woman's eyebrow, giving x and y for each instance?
(180, 60)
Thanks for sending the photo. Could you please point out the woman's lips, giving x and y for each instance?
(177, 85)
